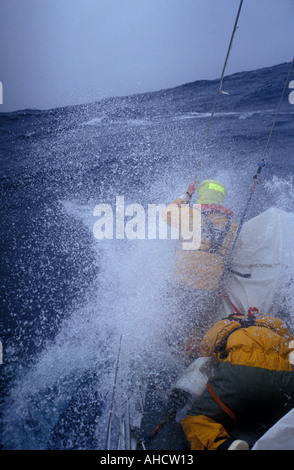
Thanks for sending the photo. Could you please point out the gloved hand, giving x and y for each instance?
(177, 399)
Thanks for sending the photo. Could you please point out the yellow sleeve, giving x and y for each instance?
(214, 335)
(208, 341)
(171, 215)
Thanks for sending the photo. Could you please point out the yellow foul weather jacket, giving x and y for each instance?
(202, 268)
(264, 344)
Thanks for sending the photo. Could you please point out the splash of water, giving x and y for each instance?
(129, 299)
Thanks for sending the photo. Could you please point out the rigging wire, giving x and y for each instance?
(278, 110)
(219, 87)
(108, 434)
(261, 164)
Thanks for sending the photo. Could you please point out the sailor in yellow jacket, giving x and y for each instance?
(253, 382)
(202, 268)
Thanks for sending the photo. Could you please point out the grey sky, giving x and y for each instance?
(60, 52)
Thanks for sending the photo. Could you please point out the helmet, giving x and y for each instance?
(211, 192)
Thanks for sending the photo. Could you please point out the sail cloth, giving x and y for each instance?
(280, 436)
(265, 251)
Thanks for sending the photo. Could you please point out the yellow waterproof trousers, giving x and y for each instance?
(203, 433)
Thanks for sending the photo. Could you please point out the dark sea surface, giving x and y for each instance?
(66, 297)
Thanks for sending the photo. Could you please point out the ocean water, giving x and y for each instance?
(72, 305)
